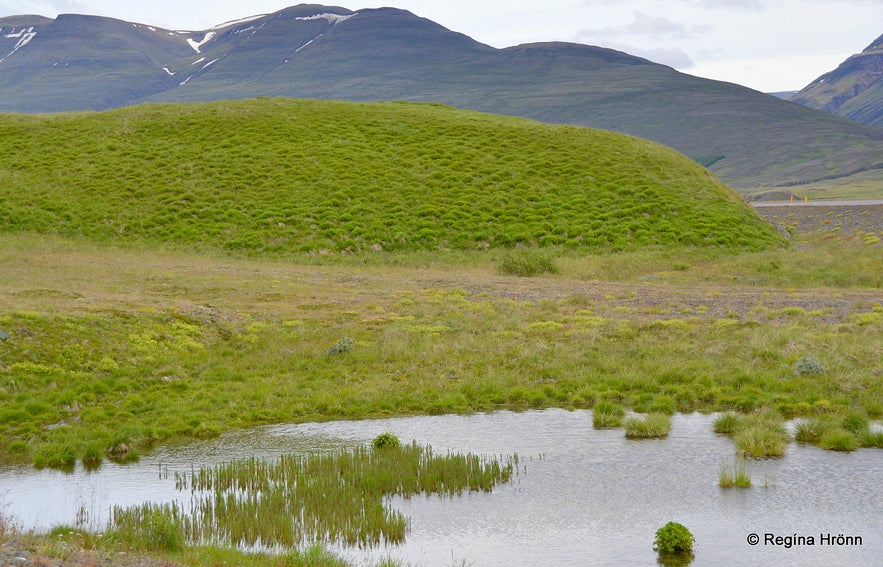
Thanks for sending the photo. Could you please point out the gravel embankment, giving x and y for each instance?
(845, 219)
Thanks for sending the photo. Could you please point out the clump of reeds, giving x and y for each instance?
(756, 435)
(727, 423)
(872, 439)
(607, 414)
(838, 431)
(839, 439)
(757, 441)
(735, 475)
(334, 497)
(152, 527)
(55, 454)
(651, 426)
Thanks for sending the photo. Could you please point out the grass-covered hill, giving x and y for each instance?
(285, 176)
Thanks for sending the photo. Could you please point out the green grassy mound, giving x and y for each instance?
(284, 176)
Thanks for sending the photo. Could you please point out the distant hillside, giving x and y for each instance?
(277, 176)
(854, 89)
(747, 138)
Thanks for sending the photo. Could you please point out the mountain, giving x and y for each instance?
(308, 51)
(854, 89)
(82, 62)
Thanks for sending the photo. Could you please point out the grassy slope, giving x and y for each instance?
(282, 176)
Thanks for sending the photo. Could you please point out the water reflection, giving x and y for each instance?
(584, 496)
(672, 560)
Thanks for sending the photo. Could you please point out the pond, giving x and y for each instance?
(581, 497)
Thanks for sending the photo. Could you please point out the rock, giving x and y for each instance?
(3, 335)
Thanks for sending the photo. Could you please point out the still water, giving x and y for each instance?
(582, 496)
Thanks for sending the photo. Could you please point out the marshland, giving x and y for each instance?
(158, 291)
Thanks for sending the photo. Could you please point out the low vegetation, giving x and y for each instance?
(651, 426)
(734, 475)
(527, 263)
(281, 177)
(607, 414)
(756, 435)
(335, 497)
(674, 539)
(110, 351)
(843, 430)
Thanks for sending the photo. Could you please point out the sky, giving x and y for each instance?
(768, 45)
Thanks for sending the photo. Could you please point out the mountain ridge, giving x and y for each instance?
(328, 52)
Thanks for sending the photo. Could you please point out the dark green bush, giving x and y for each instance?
(673, 538)
(385, 440)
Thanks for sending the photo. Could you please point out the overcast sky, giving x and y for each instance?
(769, 45)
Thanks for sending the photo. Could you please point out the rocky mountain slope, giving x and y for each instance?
(854, 89)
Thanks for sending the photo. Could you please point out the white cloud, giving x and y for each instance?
(43, 7)
(642, 26)
(740, 5)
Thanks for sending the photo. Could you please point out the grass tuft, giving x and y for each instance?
(845, 430)
(839, 439)
(757, 441)
(756, 435)
(607, 414)
(527, 263)
(651, 426)
(727, 423)
(735, 475)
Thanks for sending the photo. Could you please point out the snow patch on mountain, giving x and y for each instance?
(307, 43)
(196, 45)
(332, 19)
(24, 36)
